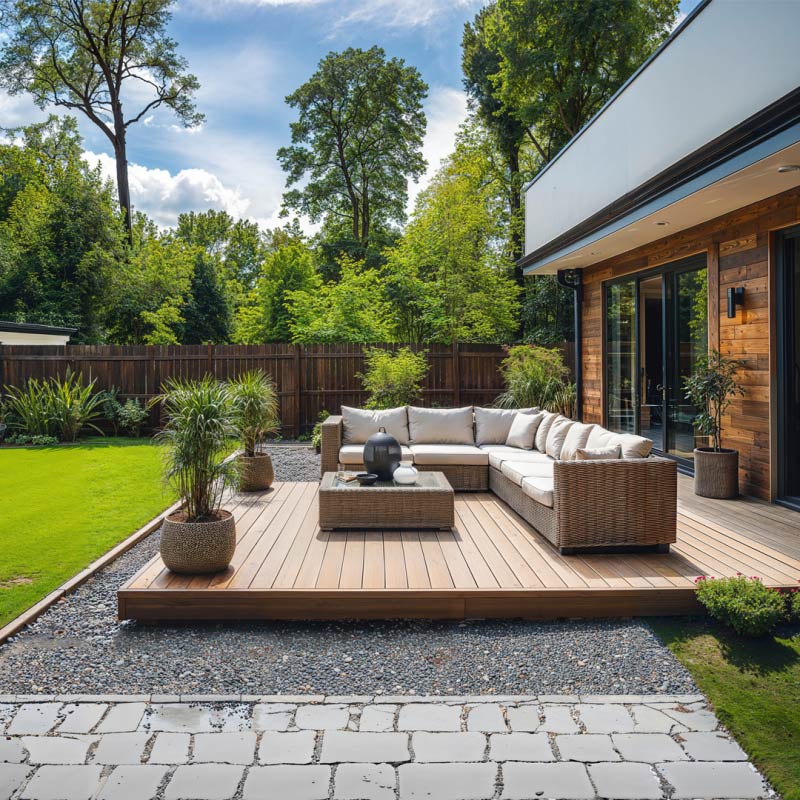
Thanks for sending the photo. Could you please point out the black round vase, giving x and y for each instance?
(382, 454)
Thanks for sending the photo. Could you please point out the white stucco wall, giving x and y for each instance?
(32, 338)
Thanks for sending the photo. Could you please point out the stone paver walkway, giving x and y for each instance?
(368, 748)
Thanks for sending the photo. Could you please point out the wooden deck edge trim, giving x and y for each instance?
(69, 586)
(301, 604)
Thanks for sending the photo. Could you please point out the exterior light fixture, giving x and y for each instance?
(735, 298)
(789, 168)
(662, 223)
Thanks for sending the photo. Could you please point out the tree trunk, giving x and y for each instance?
(123, 186)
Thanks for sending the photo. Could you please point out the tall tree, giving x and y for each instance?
(357, 141)
(89, 55)
(561, 60)
(480, 62)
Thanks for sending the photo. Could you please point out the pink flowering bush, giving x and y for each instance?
(742, 603)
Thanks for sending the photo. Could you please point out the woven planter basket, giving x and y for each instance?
(198, 547)
(256, 473)
(716, 474)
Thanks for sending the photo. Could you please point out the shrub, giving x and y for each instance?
(256, 403)
(536, 376)
(73, 406)
(393, 379)
(111, 407)
(132, 416)
(742, 603)
(26, 438)
(316, 434)
(200, 427)
(794, 605)
(30, 407)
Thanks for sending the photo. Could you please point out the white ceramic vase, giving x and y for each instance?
(405, 474)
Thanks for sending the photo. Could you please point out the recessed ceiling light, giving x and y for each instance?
(662, 223)
(594, 253)
(789, 168)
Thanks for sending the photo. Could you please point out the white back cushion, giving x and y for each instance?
(360, 423)
(632, 446)
(577, 437)
(492, 424)
(544, 429)
(556, 436)
(440, 425)
(523, 430)
(598, 454)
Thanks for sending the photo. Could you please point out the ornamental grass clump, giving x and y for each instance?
(536, 377)
(256, 403)
(742, 603)
(197, 438)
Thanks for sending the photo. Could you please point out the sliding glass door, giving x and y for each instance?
(656, 329)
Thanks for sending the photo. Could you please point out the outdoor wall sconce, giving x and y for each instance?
(735, 298)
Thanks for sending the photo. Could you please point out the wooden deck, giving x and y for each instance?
(492, 564)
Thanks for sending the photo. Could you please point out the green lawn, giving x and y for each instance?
(754, 685)
(62, 507)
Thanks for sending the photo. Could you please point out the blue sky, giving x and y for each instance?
(248, 55)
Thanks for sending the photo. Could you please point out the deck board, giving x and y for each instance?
(492, 563)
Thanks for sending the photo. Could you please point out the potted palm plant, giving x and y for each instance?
(199, 431)
(256, 403)
(710, 388)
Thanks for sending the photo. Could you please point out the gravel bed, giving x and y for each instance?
(78, 646)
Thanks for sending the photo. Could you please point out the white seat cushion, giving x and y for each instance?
(442, 454)
(498, 453)
(359, 424)
(354, 454)
(518, 470)
(539, 489)
(440, 425)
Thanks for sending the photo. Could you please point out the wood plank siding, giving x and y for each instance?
(740, 252)
(491, 564)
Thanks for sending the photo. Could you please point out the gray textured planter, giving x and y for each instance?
(716, 474)
(198, 547)
(256, 472)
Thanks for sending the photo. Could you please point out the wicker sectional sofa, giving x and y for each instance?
(610, 496)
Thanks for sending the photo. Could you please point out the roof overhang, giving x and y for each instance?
(31, 327)
(695, 133)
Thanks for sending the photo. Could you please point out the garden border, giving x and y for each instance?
(69, 586)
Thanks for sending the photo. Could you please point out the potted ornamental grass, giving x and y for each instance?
(256, 403)
(711, 388)
(198, 435)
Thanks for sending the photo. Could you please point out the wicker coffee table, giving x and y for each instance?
(426, 504)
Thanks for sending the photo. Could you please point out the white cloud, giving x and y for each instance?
(446, 109)
(18, 110)
(403, 13)
(162, 196)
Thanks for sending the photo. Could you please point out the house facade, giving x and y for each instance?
(30, 333)
(675, 216)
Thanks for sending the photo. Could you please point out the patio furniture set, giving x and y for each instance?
(582, 487)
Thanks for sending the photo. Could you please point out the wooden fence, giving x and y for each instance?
(309, 378)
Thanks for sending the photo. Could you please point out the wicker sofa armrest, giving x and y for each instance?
(616, 502)
(332, 431)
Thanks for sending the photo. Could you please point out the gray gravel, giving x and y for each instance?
(78, 646)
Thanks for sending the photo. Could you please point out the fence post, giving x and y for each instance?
(297, 391)
(456, 376)
(210, 359)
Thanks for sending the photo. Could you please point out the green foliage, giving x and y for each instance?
(256, 404)
(73, 405)
(547, 311)
(535, 376)
(561, 61)
(742, 603)
(60, 238)
(26, 438)
(357, 140)
(711, 387)
(794, 605)
(132, 416)
(86, 56)
(110, 406)
(393, 378)
(356, 309)
(448, 277)
(196, 439)
(316, 434)
(55, 407)
(206, 313)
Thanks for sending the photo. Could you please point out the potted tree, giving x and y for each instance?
(256, 405)
(710, 388)
(200, 428)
